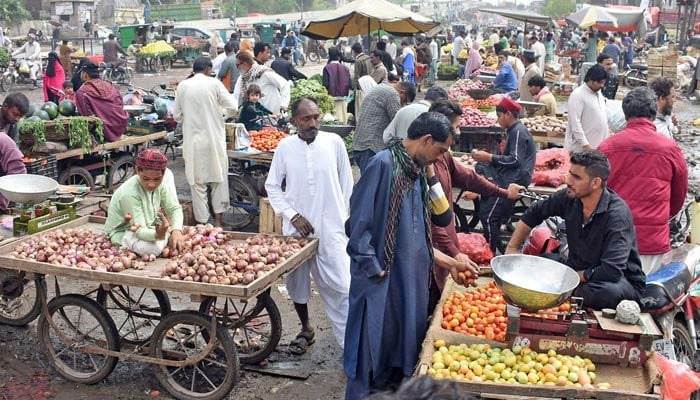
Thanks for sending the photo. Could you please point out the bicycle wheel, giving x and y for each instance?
(88, 325)
(77, 176)
(258, 175)
(244, 203)
(135, 311)
(180, 335)
(314, 57)
(23, 307)
(122, 169)
(256, 329)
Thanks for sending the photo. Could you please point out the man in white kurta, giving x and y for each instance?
(315, 203)
(275, 89)
(199, 107)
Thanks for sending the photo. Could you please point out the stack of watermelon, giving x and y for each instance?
(49, 111)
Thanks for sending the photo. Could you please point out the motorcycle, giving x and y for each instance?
(299, 56)
(119, 75)
(319, 52)
(636, 75)
(17, 72)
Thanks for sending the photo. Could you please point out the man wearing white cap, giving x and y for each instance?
(219, 59)
(390, 45)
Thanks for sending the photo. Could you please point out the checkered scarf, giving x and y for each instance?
(405, 172)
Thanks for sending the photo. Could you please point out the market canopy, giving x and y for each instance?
(627, 19)
(361, 17)
(528, 17)
(593, 16)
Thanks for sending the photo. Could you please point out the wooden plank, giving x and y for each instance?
(284, 373)
(646, 325)
(259, 157)
(125, 141)
(150, 276)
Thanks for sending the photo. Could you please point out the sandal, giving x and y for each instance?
(299, 345)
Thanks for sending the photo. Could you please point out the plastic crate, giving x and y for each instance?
(480, 138)
(46, 166)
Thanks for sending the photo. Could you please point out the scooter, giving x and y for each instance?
(636, 75)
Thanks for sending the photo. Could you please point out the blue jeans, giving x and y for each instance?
(362, 158)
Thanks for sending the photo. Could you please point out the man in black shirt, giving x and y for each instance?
(284, 67)
(610, 89)
(600, 233)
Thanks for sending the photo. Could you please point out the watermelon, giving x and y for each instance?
(67, 108)
(33, 118)
(42, 115)
(32, 109)
(51, 108)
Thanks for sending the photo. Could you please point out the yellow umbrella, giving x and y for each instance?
(361, 17)
(591, 16)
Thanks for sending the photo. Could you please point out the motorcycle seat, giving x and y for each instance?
(108, 65)
(640, 67)
(670, 282)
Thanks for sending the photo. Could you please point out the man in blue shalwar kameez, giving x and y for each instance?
(391, 259)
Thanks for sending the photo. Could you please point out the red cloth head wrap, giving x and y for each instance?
(152, 159)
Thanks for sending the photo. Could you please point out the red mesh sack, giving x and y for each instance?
(679, 381)
(476, 247)
(551, 167)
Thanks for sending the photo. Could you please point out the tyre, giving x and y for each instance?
(635, 79)
(122, 169)
(77, 176)
(257, 175)
(302, 59)
(256, 328)
(166, 63)
(7, 82)
(244, 203)
(135, 311)
(180, 335)
(88, 325)
(683, 347)
(22, 309)
(155, 64)
(314, 57)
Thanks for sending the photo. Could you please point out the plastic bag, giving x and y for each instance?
(616, 117)
(679, 381)
(476, 247)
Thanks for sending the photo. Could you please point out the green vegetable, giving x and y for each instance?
(4, 57)
(318, 78)
(313, 89)
(37, 129)
(348, 142)
(448, 69)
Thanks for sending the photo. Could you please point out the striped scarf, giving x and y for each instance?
(405, 172)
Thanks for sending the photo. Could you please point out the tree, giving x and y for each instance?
(13, 11)
(558, 8)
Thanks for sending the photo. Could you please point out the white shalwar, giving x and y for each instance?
(275, 91)
(318, 187)
(199, 107)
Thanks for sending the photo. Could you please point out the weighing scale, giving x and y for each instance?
(532, 283)
(37, 205)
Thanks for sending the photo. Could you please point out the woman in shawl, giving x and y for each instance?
(53, 78)
(65, 52)
(474, 61)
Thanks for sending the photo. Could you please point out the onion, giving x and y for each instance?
(126, 261)
(188, 279)
(205, 278)
(117, 267)
(166, 252)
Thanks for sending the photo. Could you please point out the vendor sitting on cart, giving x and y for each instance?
(601, 238)
(144, 213)
(101, 99)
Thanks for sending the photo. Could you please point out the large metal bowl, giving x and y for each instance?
(533, 283)
(27, 188)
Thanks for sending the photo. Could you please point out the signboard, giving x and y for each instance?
(64, 8)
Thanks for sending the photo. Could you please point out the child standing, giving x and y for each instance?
(252, 111)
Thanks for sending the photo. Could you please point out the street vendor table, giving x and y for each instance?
(123, 142)
(180, 341)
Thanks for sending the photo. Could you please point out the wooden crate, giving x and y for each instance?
(671, 61)
(655, 72)
(671, 73)
(269, 222)
(655, 60)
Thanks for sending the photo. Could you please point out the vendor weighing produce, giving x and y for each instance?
(600, 232)
(144, 213)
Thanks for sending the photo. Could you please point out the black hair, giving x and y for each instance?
(381, 45)
(405, 42)
(18, 100)
(594, 162)
(435, 93)
(596, 73)
(602, 57)
(201, 64)
(286, 50)
(234, 36)
(67, 84)
(357, 48)
(410, 90)
(244, 57)
(228, 47)
(333, 54)
(252, 89)
(393, 77)
(111, 36)
(661, 87)
(502, 110)
(260, 48)
(431, 123)
(529, 57)
(425, 388)
(298, 102)
(639, 103)
(537, 81)
(450, 109)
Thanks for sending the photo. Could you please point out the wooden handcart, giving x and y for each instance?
(195, 354)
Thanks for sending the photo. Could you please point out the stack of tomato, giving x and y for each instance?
(265, 139)
(551, 313)
(479, 312)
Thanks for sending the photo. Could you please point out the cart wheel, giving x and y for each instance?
(181, 335)
(244, 203)
(122, 169)
(258, 174)
(82, 320)
(256, 329)
(155, 64)
(135, 311)
(23, 307)
(166, 63)
(77, 176)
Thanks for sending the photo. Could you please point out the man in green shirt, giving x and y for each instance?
(144, 212)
